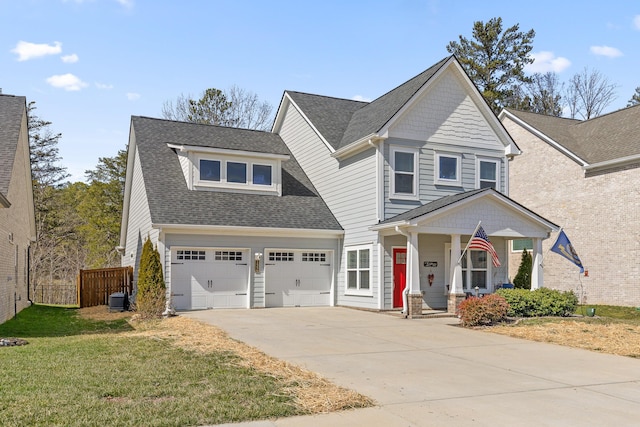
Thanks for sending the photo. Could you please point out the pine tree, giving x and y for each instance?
(523, 277)
(150, 298)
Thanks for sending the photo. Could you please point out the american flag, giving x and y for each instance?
(481, 241)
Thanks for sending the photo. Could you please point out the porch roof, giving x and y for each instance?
(415, 216)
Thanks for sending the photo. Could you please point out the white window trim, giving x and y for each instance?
(519, 251)
(392, 172)
(493, 160)
(453, 182)
(358, 291)
(248, 186)
(466, 278)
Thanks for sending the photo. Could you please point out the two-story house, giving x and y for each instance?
(586, 176)
(343, 202)
(17, 219)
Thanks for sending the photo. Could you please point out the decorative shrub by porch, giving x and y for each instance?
(540, 302)
(489, 309)
(151, 296)
(523, 277)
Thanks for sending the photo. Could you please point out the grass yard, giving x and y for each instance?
(614, 330)
(105, 370)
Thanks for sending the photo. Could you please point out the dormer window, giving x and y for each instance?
(214, 169)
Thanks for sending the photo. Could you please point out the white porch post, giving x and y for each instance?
(413, 264)
(455, 286)
(537, 280)
(456, 293)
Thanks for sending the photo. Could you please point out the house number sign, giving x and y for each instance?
(431, 263)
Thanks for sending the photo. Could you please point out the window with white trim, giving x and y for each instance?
(191, 255)
(475, 269)
(359, 268)
(228, 255)
(404, 172)
(488, 173)
(231, 173)
(518, 245)
(448, 169)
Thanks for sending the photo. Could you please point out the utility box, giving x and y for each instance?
(118, 301)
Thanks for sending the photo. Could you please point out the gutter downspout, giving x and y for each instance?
(405, 292)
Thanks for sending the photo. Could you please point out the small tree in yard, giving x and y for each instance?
(150, 300)
(523, 277)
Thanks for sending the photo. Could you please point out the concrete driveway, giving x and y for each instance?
(429, 372)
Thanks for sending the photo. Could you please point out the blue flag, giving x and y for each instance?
(563, 247)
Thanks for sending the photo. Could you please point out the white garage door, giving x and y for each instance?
(209, 278)
(298, 278)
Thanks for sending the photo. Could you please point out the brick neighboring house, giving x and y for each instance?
(17, 221)
(585, 175)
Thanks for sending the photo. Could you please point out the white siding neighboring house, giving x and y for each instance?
(364, 201)
(587, 176)
(17, 220)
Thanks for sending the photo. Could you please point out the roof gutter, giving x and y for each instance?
(622, 161)
(236, 230)
(356, 147)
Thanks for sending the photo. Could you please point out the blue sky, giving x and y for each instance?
(91, 64)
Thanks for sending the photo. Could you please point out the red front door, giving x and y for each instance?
(399, 275)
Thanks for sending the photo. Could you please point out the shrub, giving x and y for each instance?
(151, 296)
(489, 309)
(523, 277)
(540, 302)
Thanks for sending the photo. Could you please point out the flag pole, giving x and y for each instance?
(469, 242)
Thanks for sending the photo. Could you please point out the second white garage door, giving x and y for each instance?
(298, 278)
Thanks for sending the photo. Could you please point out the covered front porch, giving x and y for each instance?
(425, 266)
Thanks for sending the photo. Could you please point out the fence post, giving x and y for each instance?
(79, 288)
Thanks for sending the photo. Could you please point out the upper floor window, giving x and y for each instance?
(447, 170)
(404, 173)
(235, 172)
(488, 171)
(261, 174)
(210, 170)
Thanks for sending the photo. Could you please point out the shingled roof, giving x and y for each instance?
(171, 202)
(342, 121)
(608, 137)
(11, 112)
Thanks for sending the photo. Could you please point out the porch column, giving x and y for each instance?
(456, 293)
(414, 296)
(536, 271)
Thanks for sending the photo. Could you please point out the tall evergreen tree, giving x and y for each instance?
(495, 60)
(635, 99)
(150, 297)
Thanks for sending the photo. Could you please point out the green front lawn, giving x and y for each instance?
(82, 372)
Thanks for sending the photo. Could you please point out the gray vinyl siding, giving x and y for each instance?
(255, 244)
(428, 189)
(139, 224)
(348, 187)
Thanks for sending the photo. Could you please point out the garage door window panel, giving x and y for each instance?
(191, 255)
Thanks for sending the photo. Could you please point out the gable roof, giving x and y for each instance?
(447, 201)
(601, 139)
(372, 117)
(171, 202)
(12, 109)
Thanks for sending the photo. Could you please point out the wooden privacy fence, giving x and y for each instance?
(95, 286)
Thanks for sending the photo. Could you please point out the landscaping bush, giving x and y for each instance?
(489, 309)
(151, 296)
(540, 302)
(523, 277)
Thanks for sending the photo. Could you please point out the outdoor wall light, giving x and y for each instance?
(256, 264)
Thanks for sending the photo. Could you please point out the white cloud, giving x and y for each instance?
(67, 82)
(609, 52)
(546, 61)
(26, 50)
(126, 3)
(70, 59)
(104, 86)
(636, 22)
(132, 96)
(361, 98)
